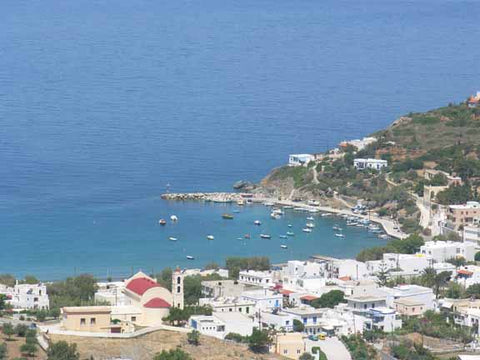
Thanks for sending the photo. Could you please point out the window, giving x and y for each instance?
(298, 351)
(178, 289)
(82, 321)
(304, 320)
(314, 319)
(285, 351)
(93, 321)
(178, 280)
(239, 309)
(133, 318)
(230, 309)
(287, 322)
(247, 310)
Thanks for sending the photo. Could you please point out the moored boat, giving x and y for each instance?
(257, 222)
(290, 233)
(174, 218)
(162, 222)
(310, 225)
(210, 237)
(307, 230)
(284, 246)
(282, 236)
(171, 238)
(340, 235)
(227, 216)
(265, 236)
(190, 257)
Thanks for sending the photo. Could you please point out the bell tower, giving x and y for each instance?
(177, 288)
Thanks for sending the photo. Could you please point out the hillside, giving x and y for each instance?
(446, 139)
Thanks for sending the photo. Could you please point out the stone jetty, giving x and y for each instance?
(221, 197)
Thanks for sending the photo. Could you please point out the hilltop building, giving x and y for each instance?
(465, 214)
(300, 159)
(374, 164)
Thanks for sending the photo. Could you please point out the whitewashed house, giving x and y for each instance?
(259, 278)
(229, 304)
(374, 164)
(264, 299)
(300, 159)
(28, 296)
(440, 251)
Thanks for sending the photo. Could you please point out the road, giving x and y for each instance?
(332, 347)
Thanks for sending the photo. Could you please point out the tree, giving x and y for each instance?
(3, 304)
(306, 356)
(440, 281)
(21, 330)
(317, 350)
(329, 299)
(29, 348)
(474, 291)
(74, 291)
(212, 266)
(61, 350)
(454, 291)
(3, 351)
(8, 330)
(457, 261)
(259, 341)
(30, 279)
(477, 256)
(165, 278)
(193, 338)
(298, 326)
(382, 274)
(177, 354)
(7, 279)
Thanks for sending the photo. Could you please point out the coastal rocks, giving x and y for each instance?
(244, 185)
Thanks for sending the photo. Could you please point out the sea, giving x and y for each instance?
(107, 104)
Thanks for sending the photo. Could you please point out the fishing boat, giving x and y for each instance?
(190, 257)
(171, 238)
(340, 235)
(210, 237)
(310, 218)
(162, 222)
(174, 218)
(257, 222)
(265, 236)
(282, 236)
(307, 230)
(284, 246)
(290, 233)
(227, 216)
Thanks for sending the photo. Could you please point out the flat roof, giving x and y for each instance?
(408, 302)
(87, 309)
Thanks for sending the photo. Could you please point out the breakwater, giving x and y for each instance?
(219, 197)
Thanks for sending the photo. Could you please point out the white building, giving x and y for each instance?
(222, 288)
(375, 164)
(229, 304)
(28, 296)
(351, 268)
(421, 295)
(440, 251)
(300, 159)
(308, 316)
(360, 144)
(279, 320)
(264, 299)
(468, 275)
(221, 324)
(469, 317)
(401, 264)
(259, 278)
(384, 319)
(111, 292)
(471, 233)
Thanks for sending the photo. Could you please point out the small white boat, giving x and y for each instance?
(307, 230)
(265, 236)
(210, 237)
(384, 237)
(268, 203)
(290, 233)
(284, 246)
(337, 228)
(282, 236)
(351, 223)
(257, 222)
(310, 225)
(190, 257)
(171, 238)
(313, 211)
(340, 235)
(287, 207)
(310, 218)
(174, 218)
(275, 216)
(240, 202)
(162, 221)
(290, 225)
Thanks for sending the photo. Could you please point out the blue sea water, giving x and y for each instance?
(102, 103)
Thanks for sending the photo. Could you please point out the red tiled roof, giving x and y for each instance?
(345, 278)
(465, 272)
(308, 297)
(140, 285)
(286, 292)
(156, 303)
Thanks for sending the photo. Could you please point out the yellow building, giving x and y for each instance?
(86, 318)
(289, 345)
